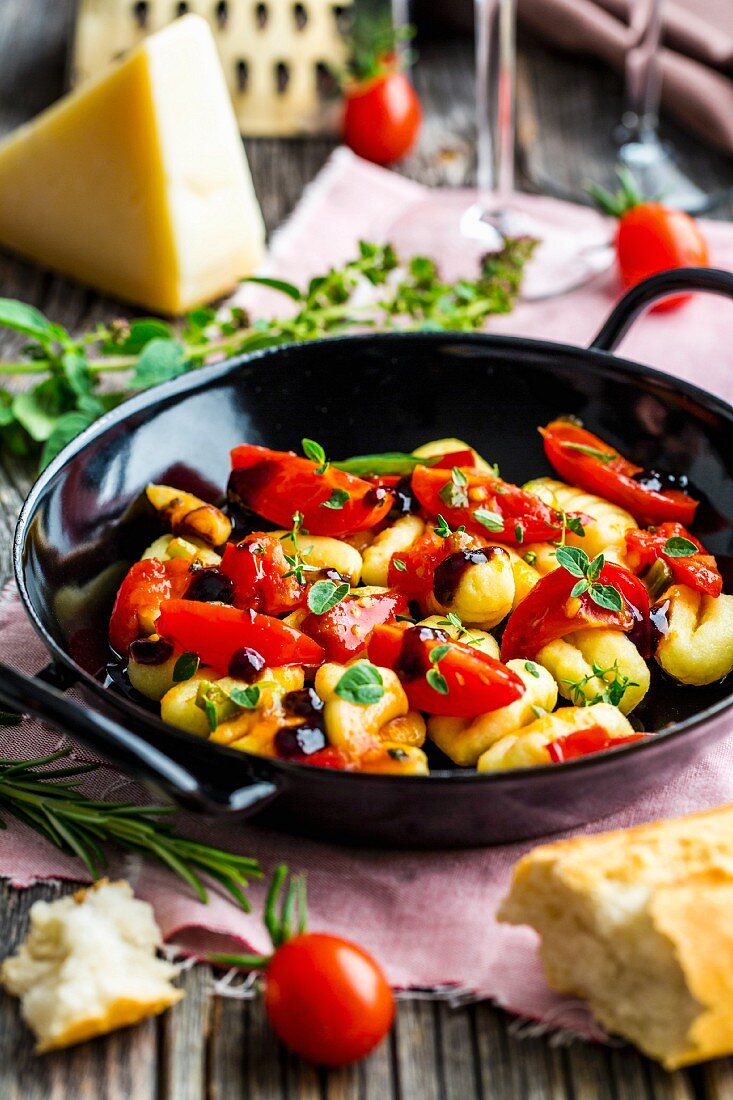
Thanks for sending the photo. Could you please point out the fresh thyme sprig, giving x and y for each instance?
(615, 685)
(49, 800)
(145, 351)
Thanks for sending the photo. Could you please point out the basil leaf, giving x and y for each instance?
(605, 595)
(574, 560)
(159, 361)
(390, 462)
(336, 500)
(492, 521)
(185, 667)
(325, 594)
(362, 683)
(437, 681)
(679, 547)
(246, 697)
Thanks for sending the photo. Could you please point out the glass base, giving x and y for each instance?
(652, 164)
(457, 233)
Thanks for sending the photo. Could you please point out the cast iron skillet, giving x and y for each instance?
(82, 525)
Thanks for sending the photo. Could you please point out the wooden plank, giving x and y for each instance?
(183, 1036)
(415, 1044)
(717, 1079)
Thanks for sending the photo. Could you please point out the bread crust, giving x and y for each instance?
(660, 892)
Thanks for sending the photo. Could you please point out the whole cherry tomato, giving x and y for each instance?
(325, 997)
(382, 117)
(651, 237)
(583, 459)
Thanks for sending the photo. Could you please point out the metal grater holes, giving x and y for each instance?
(300, 16)
(262, 16)
(326, 82)
(342, 17)
(140, 13)
(242, 73)
(180, 9)
(282, 77)
(221, 14)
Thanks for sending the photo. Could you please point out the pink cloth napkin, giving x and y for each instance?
(428, 917)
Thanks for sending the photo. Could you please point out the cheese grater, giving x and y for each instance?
(277, 55)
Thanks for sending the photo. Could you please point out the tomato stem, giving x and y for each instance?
(244, 962)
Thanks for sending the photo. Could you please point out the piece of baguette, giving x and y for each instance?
(640, 923)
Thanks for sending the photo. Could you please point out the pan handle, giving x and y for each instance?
(647, 292)
(29, 695)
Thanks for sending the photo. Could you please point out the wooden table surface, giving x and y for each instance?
(222, 1049)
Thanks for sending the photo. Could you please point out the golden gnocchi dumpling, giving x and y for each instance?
(184, 706)
(185, 514)
(324, 552)
(438, 447)
(396, 538)
(147, 673)
(606, 535)
(477, 585)
(395, 758)
(407, 729)
(173, 546)
(528, 747)
(540, 556)
(698, 647)
(526, 575)
(477, 639)
(465, 739)
(355, 727)
(597, 664)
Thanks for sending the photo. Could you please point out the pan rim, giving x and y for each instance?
(196, 379)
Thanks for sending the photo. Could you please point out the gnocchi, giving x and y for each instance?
(592, 665)
(697, 648)
(528, 747)
(605, 535)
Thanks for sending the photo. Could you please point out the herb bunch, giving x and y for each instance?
(41, 420)
(49, 800)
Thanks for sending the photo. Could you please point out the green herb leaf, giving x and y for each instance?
(532, 669)
(580, 587)
(576, 561)
(592, 452)
(325, 594)
(389, 463)
(284, 287)
(29, 321)
(453, 494)
(437, 681)
(492, 521)
(595, 567)
(439, 653)
(337, 499)
(574, 524)
(530, 557)
(245, 697)
(399, 565)
(605, 595)
(361, 683)
(519, 533)
(160, 361)
(441, 528)
(679, 547)
(314, 451)
(185, 667)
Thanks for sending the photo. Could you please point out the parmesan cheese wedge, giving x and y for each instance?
(138, 183)
(88, 966)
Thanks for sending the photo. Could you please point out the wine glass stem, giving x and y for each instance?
(495, 77)
(643, 75)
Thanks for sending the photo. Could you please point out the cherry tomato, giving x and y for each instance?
(258, 568)
(412, 570)
(698, 570)
(574, 453)
(587, 741)
(382, 118)
(472, 682)
(514, 515)
(215, 633)
(345, 630)
(276, 484)
(651, 238)
(141, 593)
(548, 612)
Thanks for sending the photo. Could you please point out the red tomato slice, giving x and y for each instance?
(345, 630)
(699, 570)
(276, 484)
(258, 568)
(216, 632)
(474, 683)
(611, 478)
(143, 590)
(587, 741)
(549, 612)
(524, 516)
(456, 458)
(414, 573)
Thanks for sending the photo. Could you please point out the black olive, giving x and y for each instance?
(246, 664)
(405, 501)
(210, 585)
(657, 482)
(150, 651)
(294, 741)
(305, 703)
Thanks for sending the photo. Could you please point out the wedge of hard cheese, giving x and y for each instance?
(640, 923)
(138, 183)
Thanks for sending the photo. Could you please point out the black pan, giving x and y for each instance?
(81, 527)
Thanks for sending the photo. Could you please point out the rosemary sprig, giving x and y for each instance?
(145, 351)
(48, 799)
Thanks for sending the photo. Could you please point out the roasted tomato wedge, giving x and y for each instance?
(685, 556)
(412, 570)
(217, 633)
(277, 484)
(345, 630)
(549, 612)
(141, 593)
(441, 676)
(586, 742)
(258, 568)
(510, 514)
(583, 459)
